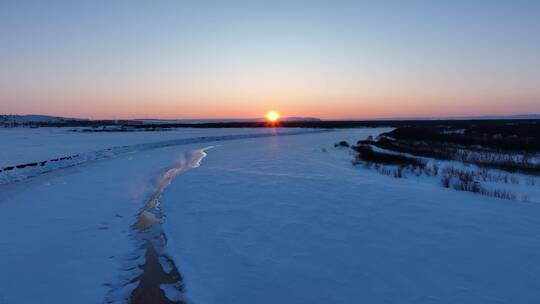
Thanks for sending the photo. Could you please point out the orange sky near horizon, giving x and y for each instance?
(323, 110)
(250, 104)
(190, 60)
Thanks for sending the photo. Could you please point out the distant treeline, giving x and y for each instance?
(503, 136)
(70, 123)
(522, 126)
(512, 147)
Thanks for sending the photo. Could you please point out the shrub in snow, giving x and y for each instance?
(342, 143)
(467, 180)
(366, 153)
(465, 147)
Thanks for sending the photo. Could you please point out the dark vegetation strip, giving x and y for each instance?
(506, 147)
(512, 146)
(484, 158)
(454, 178)
(468, 180)
(366, 153)
(487, 124)
(507, 137)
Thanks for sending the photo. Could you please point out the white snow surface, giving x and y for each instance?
(278, 220)
(284, 219)
(65, 235)
(66, 143)
(24, 145)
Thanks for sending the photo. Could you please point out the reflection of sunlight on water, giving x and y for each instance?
(156, 269)
(146, 220)
(192, 159)
(274, 145)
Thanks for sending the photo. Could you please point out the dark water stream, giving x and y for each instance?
(157, 268)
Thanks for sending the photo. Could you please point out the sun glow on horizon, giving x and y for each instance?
(272, 116)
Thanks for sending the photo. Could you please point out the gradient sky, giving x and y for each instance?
(329, 59)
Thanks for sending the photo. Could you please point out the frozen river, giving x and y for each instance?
(258, 220)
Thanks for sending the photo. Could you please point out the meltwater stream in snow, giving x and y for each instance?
(157, 279)
(146, 219)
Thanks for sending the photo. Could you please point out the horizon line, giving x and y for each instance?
(254, 119)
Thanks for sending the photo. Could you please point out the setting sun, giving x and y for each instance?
(272, 116)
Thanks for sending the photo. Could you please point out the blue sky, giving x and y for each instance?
(332, 59)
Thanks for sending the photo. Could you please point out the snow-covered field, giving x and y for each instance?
(62, 148)
(23, 145)
(277, 219)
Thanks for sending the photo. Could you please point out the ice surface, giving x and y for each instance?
(20, 171)
(261, 220)
(24, 145)
(278, 220)
(65, 236)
